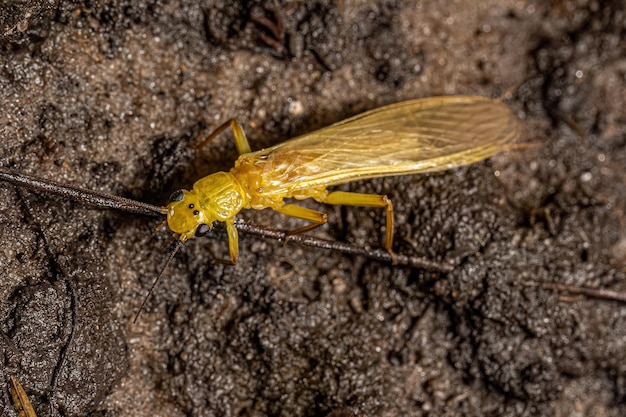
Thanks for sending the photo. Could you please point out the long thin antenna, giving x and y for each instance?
(103, 200)
(179, 244)
(376, 254)
(81, 195)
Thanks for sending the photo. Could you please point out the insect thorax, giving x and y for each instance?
(220, 194)
(252, 174)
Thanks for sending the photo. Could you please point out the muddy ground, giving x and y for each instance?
(111, 96)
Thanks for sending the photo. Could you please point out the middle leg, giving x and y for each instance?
(317, 218)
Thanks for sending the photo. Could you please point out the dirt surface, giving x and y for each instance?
(112, 95)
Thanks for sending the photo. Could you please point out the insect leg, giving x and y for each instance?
(233, 240)
(233, 243)
(365, 200)
(316, 218)
(241, 141)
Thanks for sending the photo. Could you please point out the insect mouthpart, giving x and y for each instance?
(202, 230)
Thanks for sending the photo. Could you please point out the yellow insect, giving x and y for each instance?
(415, 136)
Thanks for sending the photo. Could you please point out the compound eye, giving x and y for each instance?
(202, 230)
(177, 196)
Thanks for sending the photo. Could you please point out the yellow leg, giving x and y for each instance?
(241, 141)
(233, 240)
(316, 218)
(365, 200)
(233, 243)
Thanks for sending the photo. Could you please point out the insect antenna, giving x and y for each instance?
(179, 244)
(82, 195)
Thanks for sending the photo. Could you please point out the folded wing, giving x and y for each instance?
(410, 137)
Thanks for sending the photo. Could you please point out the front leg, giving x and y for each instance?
(241, 141)
(233, 243)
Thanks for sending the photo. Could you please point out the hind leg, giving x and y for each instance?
(364, 200)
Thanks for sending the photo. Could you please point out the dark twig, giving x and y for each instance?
(65, 348)
(55, 267)
(586, 291)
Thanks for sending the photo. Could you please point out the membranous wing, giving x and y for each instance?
(409, 137)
